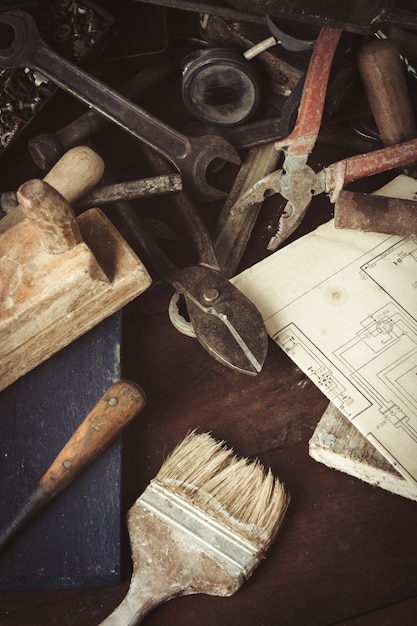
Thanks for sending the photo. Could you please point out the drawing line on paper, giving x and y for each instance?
(382, 360)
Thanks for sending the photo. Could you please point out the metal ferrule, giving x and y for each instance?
(229, 549)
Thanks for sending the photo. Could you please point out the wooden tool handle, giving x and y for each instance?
(51, 214)
(112, 413)
(384, 81)
(76, 173)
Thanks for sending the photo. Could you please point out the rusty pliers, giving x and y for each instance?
(296, 181)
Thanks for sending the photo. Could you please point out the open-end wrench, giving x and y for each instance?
(46, 148)
(190, 155)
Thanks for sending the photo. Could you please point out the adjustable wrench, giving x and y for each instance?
(190, 155)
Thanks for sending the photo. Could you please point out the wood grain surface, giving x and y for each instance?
(346, 549)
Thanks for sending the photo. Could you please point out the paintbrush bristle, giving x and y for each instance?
(202, 525)
(237, 493)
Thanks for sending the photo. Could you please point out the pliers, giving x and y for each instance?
(296, 181)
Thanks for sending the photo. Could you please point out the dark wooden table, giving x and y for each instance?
(347, 552)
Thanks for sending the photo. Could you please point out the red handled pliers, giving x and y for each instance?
(297, 182)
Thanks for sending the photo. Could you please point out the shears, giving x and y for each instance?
(224, 321)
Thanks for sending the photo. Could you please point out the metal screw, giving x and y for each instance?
(112, 401)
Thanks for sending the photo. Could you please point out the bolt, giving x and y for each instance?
(210, 295)
(112, 401)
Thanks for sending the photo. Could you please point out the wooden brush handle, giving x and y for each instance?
(384, 81)
(115, 409)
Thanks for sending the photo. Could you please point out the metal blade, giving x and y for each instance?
(225, 322)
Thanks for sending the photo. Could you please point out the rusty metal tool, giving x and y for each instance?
(354, 16)
(209, 8)
(232, 231)
(103, 194)
(46, 148)
(112, 413)
(225, 322)
(192, 156)
(376, 214)
(130, 190)
(336, 132)
(297, 182)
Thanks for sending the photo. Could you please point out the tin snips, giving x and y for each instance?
(225, 322)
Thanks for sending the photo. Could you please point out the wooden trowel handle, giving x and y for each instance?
(112, 413)
(385, 85)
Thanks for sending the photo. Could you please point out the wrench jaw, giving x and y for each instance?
(192, 157)
(20, 51)
(207, 150)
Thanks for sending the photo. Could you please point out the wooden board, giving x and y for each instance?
(49, 300)
(338, 444)
(76, 539)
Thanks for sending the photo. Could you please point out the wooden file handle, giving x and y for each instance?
(112, 413)
(51, 214)
(115, 409)
(384, 82)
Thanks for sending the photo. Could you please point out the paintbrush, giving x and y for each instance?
(201, 526)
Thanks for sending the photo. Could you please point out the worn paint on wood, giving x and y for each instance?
(75, 540)
(49, 300)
